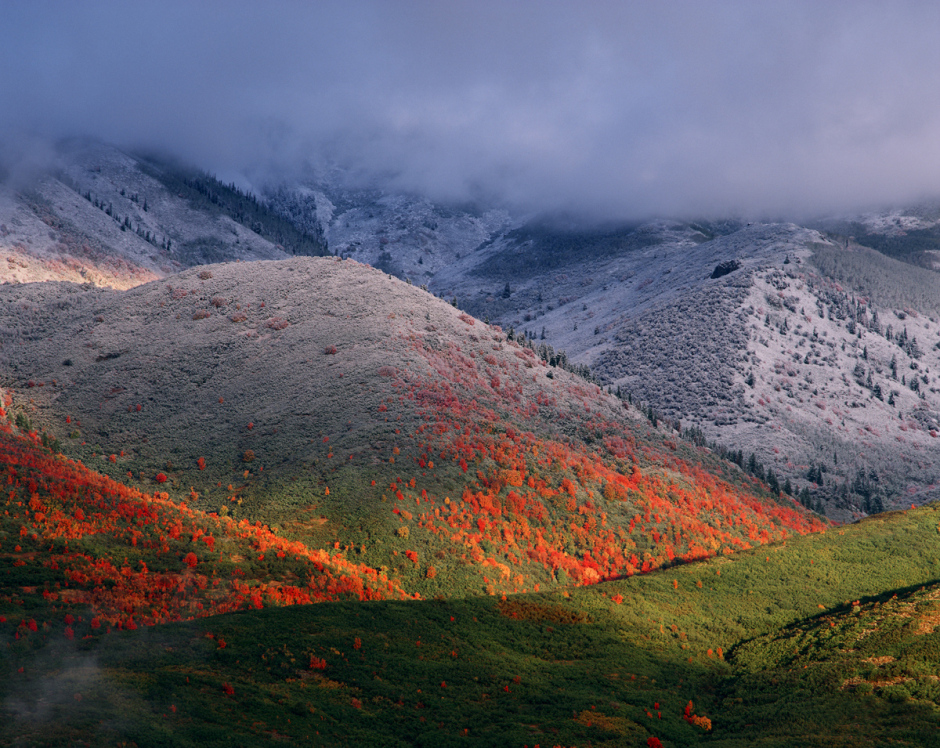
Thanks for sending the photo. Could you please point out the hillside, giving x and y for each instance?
(354, 411)
(685, 316)
(503, 553)
(702, 653)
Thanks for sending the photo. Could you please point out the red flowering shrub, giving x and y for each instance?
(190, 559)
(161, 478)
(330, 350)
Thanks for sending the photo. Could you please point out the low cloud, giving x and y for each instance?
(609, 110)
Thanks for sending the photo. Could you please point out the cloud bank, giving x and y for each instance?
(607, 109)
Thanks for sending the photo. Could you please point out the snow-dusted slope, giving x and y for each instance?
(407, 236)
(101, 217)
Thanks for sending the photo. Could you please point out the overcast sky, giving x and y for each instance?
(614, 109)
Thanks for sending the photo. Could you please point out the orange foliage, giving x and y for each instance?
(524, 498)
(67, 503)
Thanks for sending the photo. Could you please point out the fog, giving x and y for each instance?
(611, 110)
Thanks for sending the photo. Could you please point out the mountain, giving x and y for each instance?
(304, 500)
(352, 410)
(789, 343)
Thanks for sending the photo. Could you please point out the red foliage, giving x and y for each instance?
(70, 502)
(161, 478)
(526, 493)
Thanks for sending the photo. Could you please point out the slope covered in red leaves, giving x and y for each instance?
(372, 425)
(613, 500)
(74, 539)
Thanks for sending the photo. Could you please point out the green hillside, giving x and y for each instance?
(614, 663)
(334, 522)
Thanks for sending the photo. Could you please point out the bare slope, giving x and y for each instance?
(360, 413)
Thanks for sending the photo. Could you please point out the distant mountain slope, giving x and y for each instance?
(108, 218)
(357, 412)
(709, 328)
(407, 236)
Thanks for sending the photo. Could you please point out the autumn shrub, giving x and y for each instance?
(202, 314)
(248, 456)
(205, 275)
(330, 350)
(239, 317)
(217, 301)
(277, 323)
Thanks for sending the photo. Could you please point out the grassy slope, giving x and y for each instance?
(534, 481)
(383, 423)
(591, 662)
